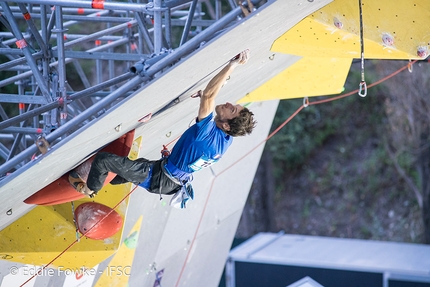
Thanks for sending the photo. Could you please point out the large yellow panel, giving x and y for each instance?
(47, 231)
(310, 76)
(43, 233)
(392, 30)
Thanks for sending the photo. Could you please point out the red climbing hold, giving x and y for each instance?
(105, 220)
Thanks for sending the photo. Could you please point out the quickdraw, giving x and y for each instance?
(165, 153)
(362, 88)
(305, 102)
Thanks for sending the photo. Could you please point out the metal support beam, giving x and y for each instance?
(188, 23)
(72, 124)
(141, 21)
(112, 5)
(10, 98)
(61, 63)
(32, 27)
(22, 43)
(158, 26)
(57, 105)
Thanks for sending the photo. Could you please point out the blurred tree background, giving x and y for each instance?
(355, 167)
(5, 108)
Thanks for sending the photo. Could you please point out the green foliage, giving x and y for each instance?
(87, 66)
(315, 124)
(10, 109)
(293, 143)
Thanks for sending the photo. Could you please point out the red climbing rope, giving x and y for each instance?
(408, 66)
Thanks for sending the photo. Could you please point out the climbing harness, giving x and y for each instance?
(362, 88)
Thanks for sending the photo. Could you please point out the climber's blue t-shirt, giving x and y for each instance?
(199, 146)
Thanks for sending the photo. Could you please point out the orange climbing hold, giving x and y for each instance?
(97, 221)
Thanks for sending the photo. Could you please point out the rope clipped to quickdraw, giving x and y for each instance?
(165, 153)
(410, 67)
(362, 88)
(305, 102)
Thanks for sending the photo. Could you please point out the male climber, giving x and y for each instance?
(199, 146)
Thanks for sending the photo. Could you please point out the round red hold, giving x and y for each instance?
(97, 221)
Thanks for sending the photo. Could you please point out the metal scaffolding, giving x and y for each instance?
(64, 63)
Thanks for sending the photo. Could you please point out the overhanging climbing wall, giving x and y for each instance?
(329, 39)
(176, 241)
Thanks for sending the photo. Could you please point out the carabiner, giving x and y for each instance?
(305, 102)
(410, 67)
(362, 91)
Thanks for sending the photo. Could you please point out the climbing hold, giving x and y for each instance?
(131, 240)
(97, 221)
(145, 118)
(337, 23)
(387, 39)
(422, 52)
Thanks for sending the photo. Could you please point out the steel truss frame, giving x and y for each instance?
(44, 42)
